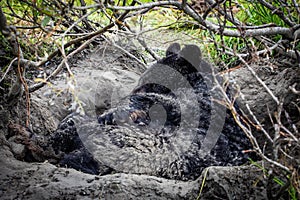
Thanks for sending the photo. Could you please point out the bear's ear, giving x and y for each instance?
(173, 49)
(192, 54)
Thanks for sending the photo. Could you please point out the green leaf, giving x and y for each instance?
(45, 21)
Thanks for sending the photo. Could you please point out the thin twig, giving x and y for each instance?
(8, 68)
(77, 40)
(248, 132)
(258, 123)
(128, 54)
(293, 89)
(60, 66)
(296, 5)
(259, 80)
(278, 12)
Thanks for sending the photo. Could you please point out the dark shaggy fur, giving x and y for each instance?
(232, 142)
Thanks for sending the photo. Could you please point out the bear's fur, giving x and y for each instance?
(231, 142)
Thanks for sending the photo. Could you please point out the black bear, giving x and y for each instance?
(178, 94)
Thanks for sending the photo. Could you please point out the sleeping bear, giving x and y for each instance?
(180, 102)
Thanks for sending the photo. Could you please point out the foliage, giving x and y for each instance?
(291, 189)
(259, 14)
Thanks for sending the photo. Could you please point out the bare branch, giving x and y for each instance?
(259, 80)
(128, 54)
(248, 131)
(8, 68)
(278, 12)
(60, 66)
(77, 40)
(209, 25)
(293, 89)
(296, 5)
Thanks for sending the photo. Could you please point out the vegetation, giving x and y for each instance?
(232, 32)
